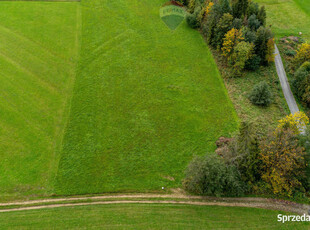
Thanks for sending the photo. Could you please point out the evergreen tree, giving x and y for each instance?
(224, 25)
(225, 6)
(261, 44)
(240, 8)
(262, 15)
(253, 22)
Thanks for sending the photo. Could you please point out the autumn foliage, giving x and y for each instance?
(231, 39)
(283, 160)
(303, 54)
(296, 122)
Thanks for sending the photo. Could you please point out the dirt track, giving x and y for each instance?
(189, 200)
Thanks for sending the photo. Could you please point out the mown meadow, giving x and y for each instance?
(150, 216)
(102, 96)
(288, 17)
(145, 100)
(38, 59)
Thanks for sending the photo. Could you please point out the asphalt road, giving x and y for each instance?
(284, 83)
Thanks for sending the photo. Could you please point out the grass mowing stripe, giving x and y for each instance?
(38, 46)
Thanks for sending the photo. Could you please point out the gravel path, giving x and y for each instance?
(188, 200)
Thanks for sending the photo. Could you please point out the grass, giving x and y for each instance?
(145, 100)
(107, 89)
(38, 60)
(264, 118)
(288, 17)
(150, 216)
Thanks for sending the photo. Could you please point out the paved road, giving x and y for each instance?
(284, 83)
(289, 97)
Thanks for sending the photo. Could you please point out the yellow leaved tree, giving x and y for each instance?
(209, 7)
(296, 122)
(303, 54)
(231, 39)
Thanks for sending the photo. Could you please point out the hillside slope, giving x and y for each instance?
(146, 100)
(38, 54)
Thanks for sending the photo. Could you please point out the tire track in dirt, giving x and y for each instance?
(250, 202)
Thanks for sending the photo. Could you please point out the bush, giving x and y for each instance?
(261, 94)
(209, 175)
(253, 63)
(289, 52)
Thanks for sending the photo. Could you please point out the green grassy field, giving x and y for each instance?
(38, 59)
(146, 99)
(288, 17)
(146, 216)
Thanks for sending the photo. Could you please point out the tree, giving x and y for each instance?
(252, 9)
(242, 53)
(240, 8)
(224, 25)
(262, 15)
(301, 83)
(303, 54)
(261, 49)
(249, 35)
(270, 51)
(225, 6)
(209, 7)
(253, 22)
(237, 23)
(232, 38)
(192, 5)
(261, 94)
(295, 122)
(209, 175)
(283, 160)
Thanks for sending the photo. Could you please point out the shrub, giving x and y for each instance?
(253, 63)
(261, 94)
(209, 175)
(289, 52)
